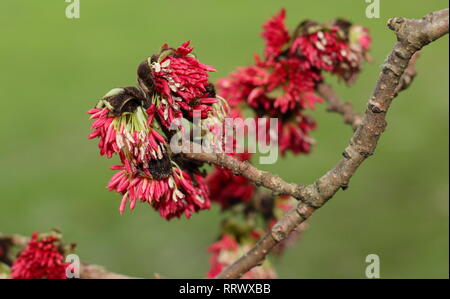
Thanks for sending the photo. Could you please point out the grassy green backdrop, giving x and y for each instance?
(52, 70)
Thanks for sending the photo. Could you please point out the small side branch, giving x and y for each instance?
(351, 117)
(245, 169)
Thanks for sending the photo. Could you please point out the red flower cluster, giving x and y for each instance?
(225, 251)
(134, 123)
(244, 225)
(338, 48)
(228, 189)
(180, 81)
(171, 195)
(275, 34)
(42, 258)
(125, 128)
(283, 83)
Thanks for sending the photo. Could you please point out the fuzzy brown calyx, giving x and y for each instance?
(161, 168)
(126, 99)
(144, 71)
(306, 27)
(343, 25)
(145, 77)
(211, 90)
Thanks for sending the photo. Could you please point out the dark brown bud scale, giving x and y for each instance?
(344, 26)
(210, 89)
(306, 27)
(126, 101)
(145, 77)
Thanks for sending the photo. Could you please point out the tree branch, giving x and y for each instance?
(88, 271)
(409, 74)
(412, 35)
(351, 117)
(245, 169)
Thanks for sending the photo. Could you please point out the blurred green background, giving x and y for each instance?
(52, 70)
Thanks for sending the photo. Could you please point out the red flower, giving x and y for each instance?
(168, 189)
(273, 88)
(339, 48)
(283, 84)
(226, 251)
(227, 243)
(130, 135)
(323, 49)
(42, 258)
(359, 44)
(228, 189)
(178, 83)
(237, 87)
(295, 84)
(275, 34)
(125, 127)
(294, 135)
(360, 39)
(132, 122)
(103, 128)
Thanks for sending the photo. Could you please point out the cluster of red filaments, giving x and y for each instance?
(42, 258)
(134, 123)
(283, 83)
(182, 82)
(228, 189)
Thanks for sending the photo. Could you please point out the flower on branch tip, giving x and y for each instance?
(338, 47)
(164, 186)
(283, 83)
(276, 35)
(42, 258)
(135, 123)
(177, 83)
(228, 189)
(124, 124)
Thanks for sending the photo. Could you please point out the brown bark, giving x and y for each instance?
(351, 117)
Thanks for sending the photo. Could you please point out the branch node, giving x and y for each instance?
(375, 107)
(395, 23)
(305, 211)
(278, 235)
(346, 155)
(401, 53)
(366, 154)
(396, 70)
